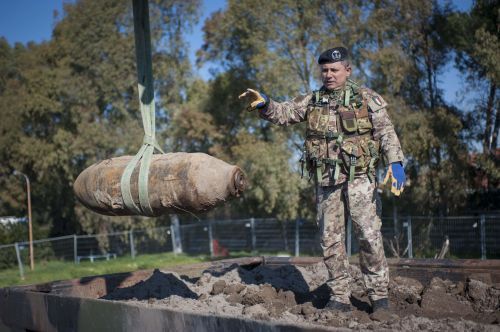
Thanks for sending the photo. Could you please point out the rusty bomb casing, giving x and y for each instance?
(178, 183)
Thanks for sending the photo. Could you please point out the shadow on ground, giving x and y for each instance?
(159, 286)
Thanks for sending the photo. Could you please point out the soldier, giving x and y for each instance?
(348, 128)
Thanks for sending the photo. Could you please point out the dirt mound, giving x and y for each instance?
(483, 296)
(159, 286)
(296, 294)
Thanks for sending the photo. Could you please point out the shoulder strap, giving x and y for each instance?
(316, 97)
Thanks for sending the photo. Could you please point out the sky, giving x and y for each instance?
(32, 20)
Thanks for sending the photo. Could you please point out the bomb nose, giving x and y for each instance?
(239, 182)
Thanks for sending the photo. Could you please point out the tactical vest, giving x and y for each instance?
(355, 150)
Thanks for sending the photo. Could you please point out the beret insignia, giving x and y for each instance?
(336, 56)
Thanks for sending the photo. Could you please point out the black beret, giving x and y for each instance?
(333, 55)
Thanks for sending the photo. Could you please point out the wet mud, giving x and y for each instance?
(295, 294)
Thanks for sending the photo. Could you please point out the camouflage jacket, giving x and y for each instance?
(296, 110)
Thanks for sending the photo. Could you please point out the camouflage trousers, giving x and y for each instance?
(361, 200)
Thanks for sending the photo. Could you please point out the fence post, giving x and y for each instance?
(210, 238)
(252, 231)
(175, 230)
(132, 246)
(410, 237)
(297, 237)
(395, 216)
(19, 262)
(75, 248)
(483, 237)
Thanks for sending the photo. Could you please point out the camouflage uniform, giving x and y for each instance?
(339, 190)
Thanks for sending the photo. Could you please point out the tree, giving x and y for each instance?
(271, 46)
(73, 101)
(398, 49)
(474, 37)
(262, 152)
(408, 52)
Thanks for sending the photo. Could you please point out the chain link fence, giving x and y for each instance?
(413, 237)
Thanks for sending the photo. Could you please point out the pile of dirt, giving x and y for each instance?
(295, 294)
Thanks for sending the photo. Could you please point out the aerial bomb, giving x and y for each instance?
(178, 183)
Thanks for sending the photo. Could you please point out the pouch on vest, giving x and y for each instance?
(359, 152)
(349, 149)
(317, 119)
(313, 153)
(348, 119)
(349, 154)
(363, 120)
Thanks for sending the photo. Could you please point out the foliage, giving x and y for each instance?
(17, 232)
(72, 100)
(399, 50)
(474, 37)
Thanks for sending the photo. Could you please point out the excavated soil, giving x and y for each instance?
(297, 295)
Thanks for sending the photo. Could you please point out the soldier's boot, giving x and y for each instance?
(333, 304)
(380, 304)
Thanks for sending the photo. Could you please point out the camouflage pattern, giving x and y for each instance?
(288, 112)
(296, 110)
(383, 129)
(359, 198)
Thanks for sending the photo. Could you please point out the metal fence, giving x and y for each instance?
(463, 237)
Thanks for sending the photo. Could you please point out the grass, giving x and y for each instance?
(59, 270)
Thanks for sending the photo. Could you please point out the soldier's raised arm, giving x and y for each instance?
(282, 114)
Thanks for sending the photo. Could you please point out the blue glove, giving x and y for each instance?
(396, 174)
(263, 104)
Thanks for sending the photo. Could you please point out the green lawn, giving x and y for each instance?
(58, 270)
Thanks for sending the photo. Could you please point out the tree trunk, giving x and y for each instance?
(489, 131)
(430, 73)
(495, 132)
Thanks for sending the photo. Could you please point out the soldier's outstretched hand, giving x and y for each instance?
(396, 174)
(258, 100)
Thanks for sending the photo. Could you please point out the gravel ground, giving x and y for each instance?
(294, 294)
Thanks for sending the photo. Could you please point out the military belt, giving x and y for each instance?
(331, 161)
(334, 135)
(356, 134)
(328, 135)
